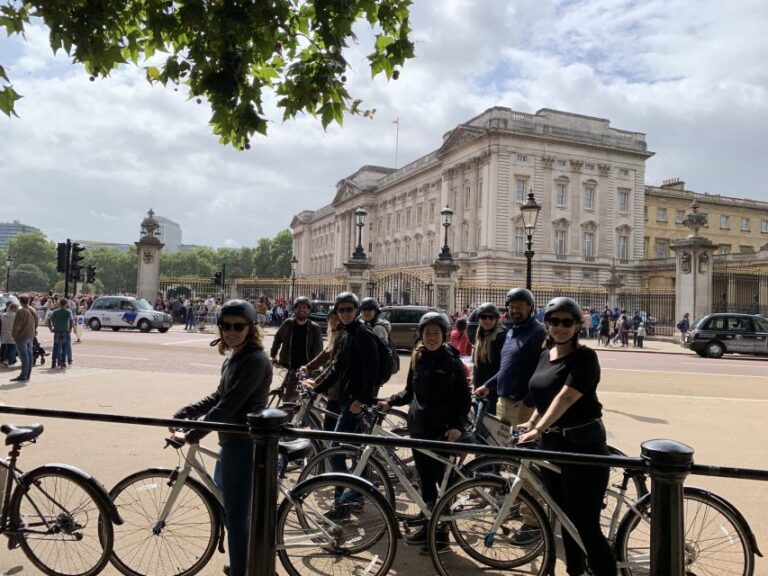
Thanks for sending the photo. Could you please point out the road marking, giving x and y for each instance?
(205, 365)
(651, 395)
(185, 342)
(684, 373)
(114, 357)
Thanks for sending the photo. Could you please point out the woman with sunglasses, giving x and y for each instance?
(568, 418)
(487, 354)
(246, 376)
(323, 362)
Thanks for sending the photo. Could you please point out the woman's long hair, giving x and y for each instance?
(254, 338)
(484, 343)
(334, 335)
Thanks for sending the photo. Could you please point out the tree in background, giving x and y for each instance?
(34, 248)
(28, 278)
(229, 53)
(115, 270)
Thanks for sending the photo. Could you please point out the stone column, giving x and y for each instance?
(148, 250)
(444, 280)
(358, 275)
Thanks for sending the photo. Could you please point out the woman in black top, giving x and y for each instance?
(568, 419)
(439, 398)
(486, 357)
(246, 376)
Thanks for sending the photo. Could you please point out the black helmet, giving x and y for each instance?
(301, 300)
(350, 297)
(370, 303)
(563, 304)
(487, 308)
(436, 318)
(241, 308)
(520, 294)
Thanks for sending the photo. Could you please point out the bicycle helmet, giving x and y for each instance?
(438, 319)
(520, 295)
(563, 304)
(301, 300)
(350, 297)
(486, 308)
(370, 303)
(241, 308)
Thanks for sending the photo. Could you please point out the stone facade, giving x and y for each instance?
(588, 177)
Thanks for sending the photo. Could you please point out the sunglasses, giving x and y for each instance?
(564, 322)
(484, 317)
(367, 309)
(345, 309)
(237, 326)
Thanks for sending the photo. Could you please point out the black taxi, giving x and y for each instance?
(725, 333)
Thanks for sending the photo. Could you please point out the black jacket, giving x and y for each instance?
(245, 380)
(438, 393)
(355, 366)
(484, 371)
(284, 340)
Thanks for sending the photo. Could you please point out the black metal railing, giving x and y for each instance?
(667, 462)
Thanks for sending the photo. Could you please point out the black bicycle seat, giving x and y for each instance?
(292, 449)
(19, 434)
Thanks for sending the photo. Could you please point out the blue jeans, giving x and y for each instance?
(62, 347)
(24, 348)
(189, 321)
(233, 474)
(347, 422)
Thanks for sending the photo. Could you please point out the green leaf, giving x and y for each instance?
(153, 73)
(8, 97)
(383, 41)
(3, 75)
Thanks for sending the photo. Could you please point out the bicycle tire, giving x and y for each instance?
(375, 472)
(183, 544)
(309, 543)
(80, 530)
(469, 509)
(624, 488)
(715, 537)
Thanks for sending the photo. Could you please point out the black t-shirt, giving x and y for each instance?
(299, 346)
(581, 371)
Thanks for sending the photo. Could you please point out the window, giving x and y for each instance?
(397, 220)
(520, 184)
(745, 224)
(431, 246)
(623, 200)
(589, 197)
(467, 197)
(389, 223)
(478, 235)
(622, 251)
(561, 190)
(560, 242)
(679, 216)
(407, 252)
(522, 158)
(623, 172)
(725, 222)
(408, 218)
(646, 246)
(432, 211)
(661, 248)
(661, 214)
(746, 249)
(419, 214)
(561, 163)
(725, 249)
(764, 226)
(465, 238)
(519, 239)
(589, 167)
(479, 194)
(588, 244)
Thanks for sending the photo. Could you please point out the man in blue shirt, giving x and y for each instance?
(519, 358)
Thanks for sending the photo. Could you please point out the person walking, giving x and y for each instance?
(568, 418)
(605, 329)
(486, 358)
(438, 394)
(460, 339)
(684, 325)
(23, 332)
(246, 376)
(61, 323)
(518, 359)
(640, 334)
(6, 338)
(296, 342)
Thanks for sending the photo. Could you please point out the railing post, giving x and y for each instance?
(669, 464)
(264, 429)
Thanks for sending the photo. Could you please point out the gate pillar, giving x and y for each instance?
(358, 275)
(148, 251)
(444, 280)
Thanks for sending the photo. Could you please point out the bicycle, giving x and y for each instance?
(498, 523)
(174, 521)
(60, 516)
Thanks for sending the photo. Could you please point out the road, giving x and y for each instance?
(717, 406)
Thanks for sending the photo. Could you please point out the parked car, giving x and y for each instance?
(318, 312)
(126, 312)
(722, 333)
(405, 323)
(5, 299)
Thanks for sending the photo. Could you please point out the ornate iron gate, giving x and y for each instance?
(740, 289)
(400, 287)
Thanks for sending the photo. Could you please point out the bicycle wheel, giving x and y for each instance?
(180, 544)
(468, 511)
(317, 536)
(64, 527)
(716, 538)
(624, 488)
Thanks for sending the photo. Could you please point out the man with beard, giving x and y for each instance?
(519, 358)
(298, 340)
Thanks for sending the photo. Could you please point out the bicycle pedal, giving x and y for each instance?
(14, 541)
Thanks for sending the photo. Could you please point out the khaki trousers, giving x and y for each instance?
(513, 415)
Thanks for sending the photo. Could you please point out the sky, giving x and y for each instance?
(86, 160)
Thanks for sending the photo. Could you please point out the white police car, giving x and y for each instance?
(126, 312)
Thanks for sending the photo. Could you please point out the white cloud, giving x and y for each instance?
(689, 75)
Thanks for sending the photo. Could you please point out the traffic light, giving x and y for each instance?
(216, 279)
(76, 268)
(90, 275)
(61, 257)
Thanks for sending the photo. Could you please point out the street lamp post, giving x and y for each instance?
(294, 264)
(359, 253)
(445, 253)
(530, 212)
(430, 287)
(8, 264)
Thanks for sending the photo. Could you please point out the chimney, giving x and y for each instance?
(673, 184)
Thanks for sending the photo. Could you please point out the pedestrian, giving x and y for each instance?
(637, 319)
(586, 322)
(23, 332)
(60, 322)
(460, 339)
(684, 325)
(324, 362)
(487, 354)
(568, 418)
(438, 394)
(624, 328)
(296, 342)
(246, 376)
(518, 359)
(640, 334)
(370, 314)
(605, 329)
(6, 339)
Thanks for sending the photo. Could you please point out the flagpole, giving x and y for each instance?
(396, 122)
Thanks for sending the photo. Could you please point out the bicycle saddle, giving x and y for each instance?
(19, 434)
(298, 448)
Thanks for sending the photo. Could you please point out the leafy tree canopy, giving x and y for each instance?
(34, 248)
(28, 278)
(229, 52)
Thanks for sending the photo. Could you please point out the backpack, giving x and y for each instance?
(392, 351)
(680, 325)
(386, 362)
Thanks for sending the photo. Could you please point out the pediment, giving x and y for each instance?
(561, 223)
(345, 190)
(590, 225)
(624, 229)
(458, 137)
